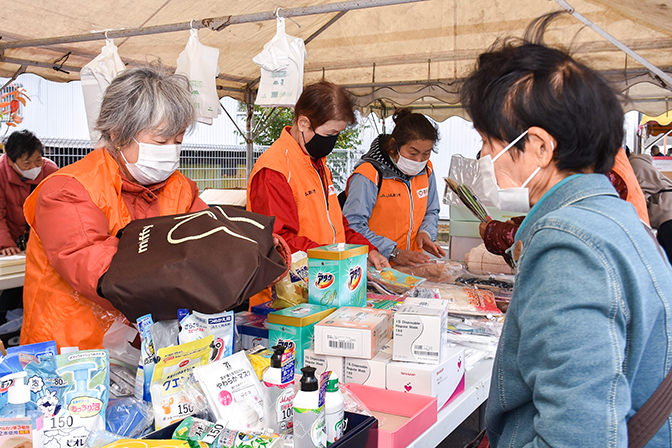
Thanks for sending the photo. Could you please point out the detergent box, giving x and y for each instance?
(294, 327)
(353, 332)
(337, 275)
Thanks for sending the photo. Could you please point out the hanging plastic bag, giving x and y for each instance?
(95, 77)
(281, 63)
(198, 63)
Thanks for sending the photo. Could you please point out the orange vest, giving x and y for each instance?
(399, 211)
(320, 220)
(53, 310)
(635, 196)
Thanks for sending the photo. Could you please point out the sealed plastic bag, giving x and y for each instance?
(221, 326)
(440, 271)
(95, 77)
(459, 299)
(392, 281)
(281, 63)
(293, 288)
(198, 63)
(128, 417)
(143, 379)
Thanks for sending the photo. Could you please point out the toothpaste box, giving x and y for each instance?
(418, 332)
(444, 381)
(337, 275)
(322, 363)
(369, 372)
(353, 332)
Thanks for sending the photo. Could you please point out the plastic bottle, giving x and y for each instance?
(19, 406)
(278, 395)
(334, 414)
(309, 419)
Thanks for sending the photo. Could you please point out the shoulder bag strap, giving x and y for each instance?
(647, 421)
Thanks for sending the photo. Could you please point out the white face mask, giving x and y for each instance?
(155, 162)
(410, 167)
(508, 199)
(31, 173)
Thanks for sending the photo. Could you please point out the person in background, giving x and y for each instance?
(669, 152)
(292, 181)
(391, 196)
(76, 213)
(655, 151)
(658, 191)
(22, 167)
(585, 340)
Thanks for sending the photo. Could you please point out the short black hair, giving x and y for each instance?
(410, 126)
(519, 84)
(22, 143)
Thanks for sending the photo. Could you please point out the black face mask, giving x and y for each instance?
(320, 145)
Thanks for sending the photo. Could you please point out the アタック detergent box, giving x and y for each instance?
(337, 275)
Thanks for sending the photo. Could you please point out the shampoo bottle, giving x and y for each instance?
(334, 415)
(309, 423)
(278, 395)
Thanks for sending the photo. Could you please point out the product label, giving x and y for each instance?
(425, 351)
(335, 425)
(341, 342)
(309, 428)
(354, 277)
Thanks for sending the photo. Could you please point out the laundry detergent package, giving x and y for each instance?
(233, 391)
(71, 391)
(353, 332)
(294, 327)
(220, 325)
(143, 378)
(337, 275)
(174, 365)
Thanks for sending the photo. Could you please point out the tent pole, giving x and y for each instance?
(664, 136)
(249, 142)
(664, 77)
(214, 23)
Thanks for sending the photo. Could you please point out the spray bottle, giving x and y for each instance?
(334, 414)
(309, 423)
(278, 392)
(20, 409)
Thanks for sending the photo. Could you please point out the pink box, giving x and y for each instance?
(415, 413)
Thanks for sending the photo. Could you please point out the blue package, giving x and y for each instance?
(143, 378)
(182, 313)
(128, 417)
(18, 357)
(263, 309)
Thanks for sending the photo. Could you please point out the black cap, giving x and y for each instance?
(276, 359)
(308, 381)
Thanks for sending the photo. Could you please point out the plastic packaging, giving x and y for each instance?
(293, 288)
(128, 417)
(100, 439)
(220, 325)
(309, 418)
(233, 391)
(165, 334)
(278, 382)
(392, 281)
(22, 411)
(128, 443)
(334, 411)
(460, 299)
(196, 430)
(174, 366)
(122, 381)
(143, 379)
(117, 341)
(18, 357)
(72, 391)
(440, 271)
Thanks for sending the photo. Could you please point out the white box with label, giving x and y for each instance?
(369, 372)
(443, 381)
(418, 332)
(322, 363)
(353, 332)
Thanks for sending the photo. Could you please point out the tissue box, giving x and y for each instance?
(337, 275)
(444, 381)
(294, 327)
(353, 332)
(418, 332)
(369, 372)
(322, 363)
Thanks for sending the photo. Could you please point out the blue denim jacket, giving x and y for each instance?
(588, 334)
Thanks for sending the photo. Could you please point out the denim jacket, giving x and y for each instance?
(588, 334)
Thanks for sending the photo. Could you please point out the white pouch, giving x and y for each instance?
(198, 62)
(95, 77)
(281, 63)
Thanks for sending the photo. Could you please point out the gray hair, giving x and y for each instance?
(144, 99)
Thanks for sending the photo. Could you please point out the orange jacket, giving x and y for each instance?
(320, 216)
(53, 308)
(399, 210)
(636, 197)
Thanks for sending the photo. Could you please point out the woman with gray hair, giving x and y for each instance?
(76, 213)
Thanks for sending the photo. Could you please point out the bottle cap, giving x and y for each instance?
(276, 359)
(332, 384)
(308, 381)
(19, 392)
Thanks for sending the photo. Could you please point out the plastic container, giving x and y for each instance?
(278, 394)
(333, 411)
(309, 418)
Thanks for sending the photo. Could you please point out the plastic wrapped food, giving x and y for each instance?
(439, 271)
(460, 299)
(480, 261)
(392, 281)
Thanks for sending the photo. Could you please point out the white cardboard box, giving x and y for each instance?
(369, 372)
(322, 363)
(353, 332)
(443, 381)
(418, 333)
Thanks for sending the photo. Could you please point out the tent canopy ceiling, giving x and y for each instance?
(406, 54)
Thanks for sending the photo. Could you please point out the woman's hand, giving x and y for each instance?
(410, 258)
(378, 260)
(425, 243)
(13, 250)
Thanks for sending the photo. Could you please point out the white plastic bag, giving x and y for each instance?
(281, 63)
(95, 77)
(198, 62)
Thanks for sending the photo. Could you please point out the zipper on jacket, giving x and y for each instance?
(410, 230)
(326, 201)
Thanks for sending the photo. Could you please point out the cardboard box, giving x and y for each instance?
(337, 275)
(444, 381)
(418, 333)
(369, 372)
(353, 332)
(322, 363)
